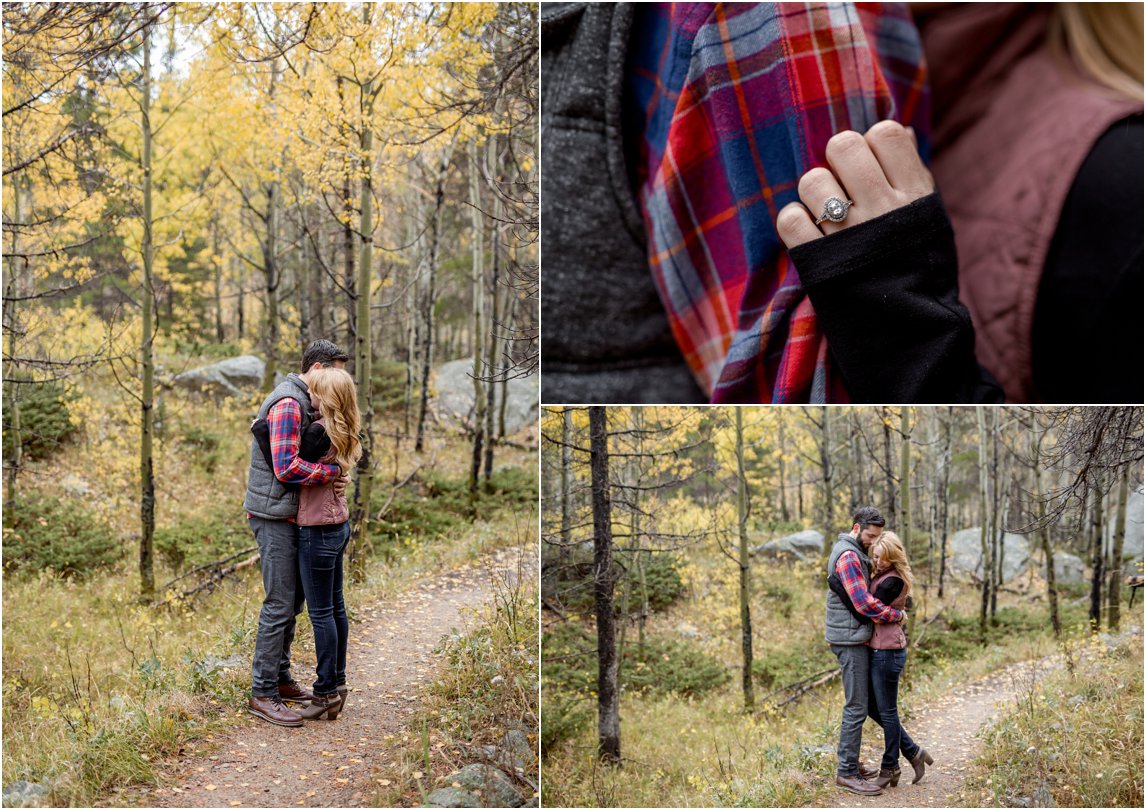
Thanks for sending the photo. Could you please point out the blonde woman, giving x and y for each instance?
(324, 531)
(891, 584)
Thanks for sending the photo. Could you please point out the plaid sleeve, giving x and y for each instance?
(284, 420)
(851, 575)
(734, 103)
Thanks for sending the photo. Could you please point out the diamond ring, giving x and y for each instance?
(835, 210)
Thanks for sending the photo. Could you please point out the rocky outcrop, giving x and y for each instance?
(453, 403)
(232, 377)
(805, 545)
(966, 554)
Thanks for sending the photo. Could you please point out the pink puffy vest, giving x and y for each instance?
(889, 636)
(320, 505)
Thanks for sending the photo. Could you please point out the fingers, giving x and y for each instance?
(894, 147)
(814, 188)
(795, 226)
(860, 173)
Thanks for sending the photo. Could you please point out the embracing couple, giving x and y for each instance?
(869, 582)
(305, 442)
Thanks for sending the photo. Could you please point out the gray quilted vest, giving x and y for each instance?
(606, 337)
(267, 497)
(840, 626)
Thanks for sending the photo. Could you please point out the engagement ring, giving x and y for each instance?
(835, 210)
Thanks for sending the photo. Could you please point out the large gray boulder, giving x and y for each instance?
(1068, 569)
(454, 397)
(231, 377)
(25, 794)
(1132, 543)
(805, 545)
(476, 785)
(965, 551)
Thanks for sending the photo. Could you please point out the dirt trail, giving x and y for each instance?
(947, 728)
(334, 764)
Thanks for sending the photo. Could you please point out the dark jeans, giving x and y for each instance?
(320, 550)
(886, 666)
(855, 665)
(278, 561)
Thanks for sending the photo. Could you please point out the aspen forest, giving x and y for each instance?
(684, 562)
(192, 194)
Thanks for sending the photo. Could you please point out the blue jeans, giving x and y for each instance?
(855, 663)
(278, 561)
(886, 666)
(320, 550)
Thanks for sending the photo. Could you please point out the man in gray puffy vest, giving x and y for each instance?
(848, 635)
(272, 507)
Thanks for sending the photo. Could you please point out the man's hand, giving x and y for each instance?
(878, 171)
(340, 484)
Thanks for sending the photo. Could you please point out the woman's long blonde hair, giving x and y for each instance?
(337, 397)
(1104, 40)
(891, 550)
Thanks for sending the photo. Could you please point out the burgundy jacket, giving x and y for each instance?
(320, 505)
(889, 636)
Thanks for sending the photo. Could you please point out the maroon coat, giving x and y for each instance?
(889, 636)
(321, 505)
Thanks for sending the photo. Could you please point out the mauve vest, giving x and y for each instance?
(321, 505)
(889, 636)
(605, 337)
(1012, 129)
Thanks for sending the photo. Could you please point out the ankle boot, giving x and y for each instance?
(323, 707)
(343, 692)
(887, 776)
(920, 762)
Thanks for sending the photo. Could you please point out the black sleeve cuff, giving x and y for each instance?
(886, 295)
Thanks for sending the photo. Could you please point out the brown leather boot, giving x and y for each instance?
(343, 691)
(323, 707)
(868, 773)
(293, 693)
(272, 709)
(920, 763)
(887, 776)
(857, 785)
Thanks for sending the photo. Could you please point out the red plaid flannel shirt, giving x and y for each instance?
(729, 105)
(851, 575)
(284, 420)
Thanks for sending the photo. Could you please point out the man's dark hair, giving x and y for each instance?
(868, 516)
(322, 351)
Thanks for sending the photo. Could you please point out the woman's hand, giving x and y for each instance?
(878, 172)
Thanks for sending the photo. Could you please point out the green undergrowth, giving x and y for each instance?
(568, 580)
(661, 664)
(1085, 720)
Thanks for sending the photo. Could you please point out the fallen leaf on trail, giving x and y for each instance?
(209, 787)
(418, 774)
(342, 781)
(235, 804)
(327, 754)
(343, 768)
(384, 782)
(309, 793)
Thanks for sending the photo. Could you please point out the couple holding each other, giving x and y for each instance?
(305, 442)
(869, 581)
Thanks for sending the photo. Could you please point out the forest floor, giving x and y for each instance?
(948, 728)
(342, 763)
